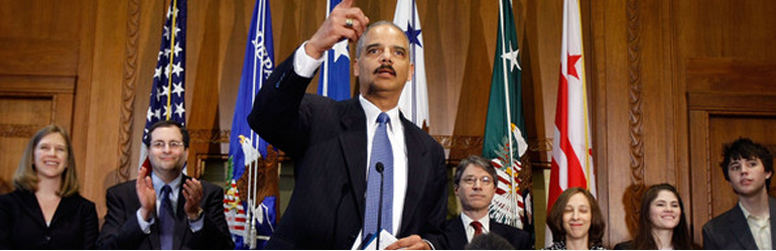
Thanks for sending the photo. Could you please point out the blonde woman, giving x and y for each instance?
(45, 210)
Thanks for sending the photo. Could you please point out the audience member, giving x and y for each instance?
(475, 185)
(489, 241)
(748, 166)
(186, 214)
(662, 223)
(46, 211)
(576, 221)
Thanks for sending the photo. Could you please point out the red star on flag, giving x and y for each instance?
(572, 64)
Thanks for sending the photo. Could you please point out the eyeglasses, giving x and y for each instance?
(171, 144)
(484, 180)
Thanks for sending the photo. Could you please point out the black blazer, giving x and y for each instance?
(22, 226)
(121, 230)
(456, 234)
(328, 140)
(731, 231)
(627, 245)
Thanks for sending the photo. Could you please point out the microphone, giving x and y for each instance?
(380, 167)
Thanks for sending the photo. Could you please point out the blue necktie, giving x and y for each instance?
(381, 152)
(166, 219)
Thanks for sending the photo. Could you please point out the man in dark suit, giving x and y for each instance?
(748, 167)
(187, 214)
(475, 185)
(337, 146)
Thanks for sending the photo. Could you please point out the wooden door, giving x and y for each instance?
(26, 105)
(727, 100)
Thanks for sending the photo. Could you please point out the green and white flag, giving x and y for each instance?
(504, 128)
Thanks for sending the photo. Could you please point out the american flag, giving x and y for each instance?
(167, 92)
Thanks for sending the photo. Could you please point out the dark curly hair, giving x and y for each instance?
(744, 148)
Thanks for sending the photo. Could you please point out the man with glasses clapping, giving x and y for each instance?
(163, 208)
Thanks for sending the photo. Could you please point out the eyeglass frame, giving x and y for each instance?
(172, 144)
(471, 180)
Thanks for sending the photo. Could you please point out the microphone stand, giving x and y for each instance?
(379, 166)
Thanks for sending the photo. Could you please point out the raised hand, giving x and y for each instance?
(192, 191)
(344, 22)
(145, 193)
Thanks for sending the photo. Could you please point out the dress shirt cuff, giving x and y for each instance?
(144, 225)
(196, 225)
(305, 65)
(430, 244)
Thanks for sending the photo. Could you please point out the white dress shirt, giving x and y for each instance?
(467, 225)
(760, 228)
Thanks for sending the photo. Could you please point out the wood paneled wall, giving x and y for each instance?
(669, 82)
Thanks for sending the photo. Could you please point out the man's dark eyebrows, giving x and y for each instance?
(370, 46)
(400, 48)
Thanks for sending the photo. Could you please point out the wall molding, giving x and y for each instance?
(636, 125)
(128, 90)
(18, 131)
(209, 136)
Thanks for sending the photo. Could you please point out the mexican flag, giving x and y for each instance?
(505, 126)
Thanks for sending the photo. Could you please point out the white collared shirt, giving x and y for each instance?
(760, 228)
(467, 225)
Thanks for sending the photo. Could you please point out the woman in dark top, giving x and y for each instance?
(661, 222)
(46, 211)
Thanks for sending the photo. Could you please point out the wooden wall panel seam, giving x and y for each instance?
(128, 90)
(636, 130)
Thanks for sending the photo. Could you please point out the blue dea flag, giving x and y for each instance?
(334, 81)
(250, 226)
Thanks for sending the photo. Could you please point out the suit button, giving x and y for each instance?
(352, 237)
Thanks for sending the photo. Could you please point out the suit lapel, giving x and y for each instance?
(457, 235)
(416, 172)
(65, 209)
(740, 229)
(29, 201)
(353, 143)
(496, 228)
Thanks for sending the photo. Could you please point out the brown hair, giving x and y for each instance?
(26, 178)
(477, 161)
(555, 217)
(644, 239)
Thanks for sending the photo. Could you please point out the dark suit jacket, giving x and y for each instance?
(121, 230)
(456, 234)
(731, 231)
(22, 226)
(627, 245)
(328, 140)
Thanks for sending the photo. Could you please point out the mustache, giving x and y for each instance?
(385, 67)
